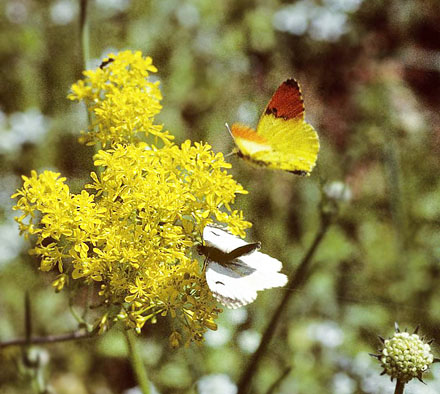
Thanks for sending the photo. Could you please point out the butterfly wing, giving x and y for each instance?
(230, 286)
(221, 239)
(294, 145)
(283, 140)
(235, 283)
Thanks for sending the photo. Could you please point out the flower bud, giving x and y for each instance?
(405, 356)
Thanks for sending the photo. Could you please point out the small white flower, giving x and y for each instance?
(137, 390)
(338, 190)
(62, 12)
(236, 316)
(187, 15)
(247, 112)
(219, 337)
(327, 25)
(11, 242)
(328, 333)
(344, 5)
(113, 5)
(29, 126)
(216, 384)
(16, 11)
(249, 340)
(343, 384)
(293, 19)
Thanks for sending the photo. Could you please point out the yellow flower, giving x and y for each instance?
(121, 99)
(134, 227)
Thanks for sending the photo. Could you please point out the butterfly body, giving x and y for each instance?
(283, 139)
(217, 255)
(236, 270)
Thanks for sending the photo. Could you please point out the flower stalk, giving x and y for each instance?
(136, 362)
(400, 386)
(84, 33)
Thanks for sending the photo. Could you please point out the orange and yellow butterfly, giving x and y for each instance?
(283, 139)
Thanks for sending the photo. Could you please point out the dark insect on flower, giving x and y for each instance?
(106, 61)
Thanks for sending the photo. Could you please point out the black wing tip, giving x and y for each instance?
(292, 82)
(300, 172)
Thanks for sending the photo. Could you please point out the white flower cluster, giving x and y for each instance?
(405, 356)
(325, 20)
(19, 128)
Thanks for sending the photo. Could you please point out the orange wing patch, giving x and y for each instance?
(286, 102)
(248, 133)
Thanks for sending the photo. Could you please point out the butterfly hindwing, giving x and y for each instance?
(294, 145)
(283, 139)
(227, 285)
(234, 281)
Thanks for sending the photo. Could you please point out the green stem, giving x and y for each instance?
(399, 387)
(275, 385)
(27, 318)
(84, 39)
(84, 33)
(394, 182)
(295, 281)
(88, 301)
(136, 362)
(75, 315)
(31, 361)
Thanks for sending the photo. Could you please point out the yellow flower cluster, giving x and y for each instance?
(134, 228)
(121, 100)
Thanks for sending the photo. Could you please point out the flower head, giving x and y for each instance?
(405, 356)
(121, 99)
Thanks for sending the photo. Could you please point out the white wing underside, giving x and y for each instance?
(221, 239)
(236, 284)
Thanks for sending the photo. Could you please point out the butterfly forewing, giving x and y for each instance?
(221, 239)
(286, 102)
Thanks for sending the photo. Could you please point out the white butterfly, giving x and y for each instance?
(236, 270)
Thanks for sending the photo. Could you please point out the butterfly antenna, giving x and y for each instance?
(234, 151)
(229, 129)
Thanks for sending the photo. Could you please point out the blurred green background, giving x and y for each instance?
(370, 76)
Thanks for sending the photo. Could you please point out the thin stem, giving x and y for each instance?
(394, 182)
(88, 301)
(399, 387)
(27, 318)
(296, 280)
(136, 362)
(48, 339)
(84, 39)
(277, 383)
(84, 33)
(75, 315)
